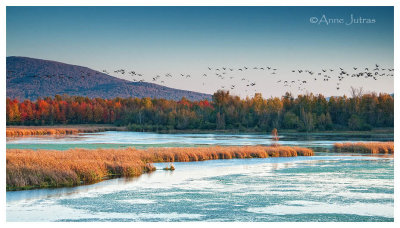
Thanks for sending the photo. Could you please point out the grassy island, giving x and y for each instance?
(365, 147)
(28, 169)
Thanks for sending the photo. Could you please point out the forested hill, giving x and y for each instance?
(29, 78)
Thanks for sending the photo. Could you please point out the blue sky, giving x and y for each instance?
(187, 40)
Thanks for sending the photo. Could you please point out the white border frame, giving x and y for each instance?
(4, 3)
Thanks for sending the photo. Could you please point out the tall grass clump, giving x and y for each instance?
(52, 168)
(365, 147)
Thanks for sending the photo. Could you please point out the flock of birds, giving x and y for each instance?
(339, 74)
(243, 77)
(234, 78)
(220, 73)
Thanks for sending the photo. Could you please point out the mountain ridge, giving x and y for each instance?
(30, 78)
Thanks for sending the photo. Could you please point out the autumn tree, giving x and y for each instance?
(305, 112)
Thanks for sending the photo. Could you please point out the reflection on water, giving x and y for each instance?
(58, 192)
(115, 139)
(319, 188)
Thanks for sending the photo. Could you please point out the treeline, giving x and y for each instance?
(225, 112)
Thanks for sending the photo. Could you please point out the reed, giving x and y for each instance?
(29, 131)
(365, 147)
(52, 168)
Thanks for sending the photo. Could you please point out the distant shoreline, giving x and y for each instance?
(18, 130)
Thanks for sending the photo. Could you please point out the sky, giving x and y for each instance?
(187, 40)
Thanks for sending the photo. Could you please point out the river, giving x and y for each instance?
(326, 187)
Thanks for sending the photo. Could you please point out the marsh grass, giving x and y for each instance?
(365, 147)
(29, 131)
(52, 168)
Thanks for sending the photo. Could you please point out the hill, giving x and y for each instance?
(29, 78)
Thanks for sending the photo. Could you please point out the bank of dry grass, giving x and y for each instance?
(56, 130)
(365, 147)
(52, 168)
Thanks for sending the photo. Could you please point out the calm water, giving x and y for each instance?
(115, 139)
(326, 187)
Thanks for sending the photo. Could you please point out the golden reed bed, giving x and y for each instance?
(367, 147)
(51, 168)
(29, 131)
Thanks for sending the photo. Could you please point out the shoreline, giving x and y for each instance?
(24, 130)
(20, 131)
